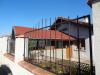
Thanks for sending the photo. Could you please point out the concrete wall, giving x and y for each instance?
(19, 55)
(58, 53)
(96, 23)
(26, 47)
(19, 48)
(0, 44)
(3, 44)
(19, 51)
(83, 55)
(14, 67)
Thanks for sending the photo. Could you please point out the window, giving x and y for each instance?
(82, 44)
(32, 44)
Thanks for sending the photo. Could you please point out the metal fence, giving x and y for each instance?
(11, 46)
(61, 48)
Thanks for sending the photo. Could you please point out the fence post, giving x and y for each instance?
(90, 43)
(78, 46)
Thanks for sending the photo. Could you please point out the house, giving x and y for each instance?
(54, 49)
(42, 39)
(38, 46)
(16, 32)
(55, 40)
(78, 30)
(46, 48)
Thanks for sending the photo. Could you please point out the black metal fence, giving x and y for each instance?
(64, 48)
(11, 46)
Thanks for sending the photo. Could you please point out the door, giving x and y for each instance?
(68, 52)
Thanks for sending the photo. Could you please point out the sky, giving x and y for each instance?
(30, 12)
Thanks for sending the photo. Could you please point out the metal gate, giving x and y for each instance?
(11, 46)
(64, 48)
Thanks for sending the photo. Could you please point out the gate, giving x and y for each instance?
(64, 48)
(11, 46)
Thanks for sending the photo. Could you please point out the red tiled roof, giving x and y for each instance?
(41, 34)
(48, 34)
(19, 30)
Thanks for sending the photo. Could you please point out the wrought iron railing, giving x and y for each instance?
(51, 47)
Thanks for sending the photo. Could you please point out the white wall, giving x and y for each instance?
(0, 44)
(83, 55)
(87, 45)
(26, 47)
(19, 49)
(96, 23)
(3, 44)
(14, 67)
(58, 53)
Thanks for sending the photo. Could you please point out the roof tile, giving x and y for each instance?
(41, 34)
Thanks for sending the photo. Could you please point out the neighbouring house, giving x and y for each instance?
(16, 32)
(42, 39)
(55, 40)
(54, 50)
(55, 44)
(71, 28)
(46, 48)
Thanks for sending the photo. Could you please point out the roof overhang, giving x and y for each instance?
(62, 20)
